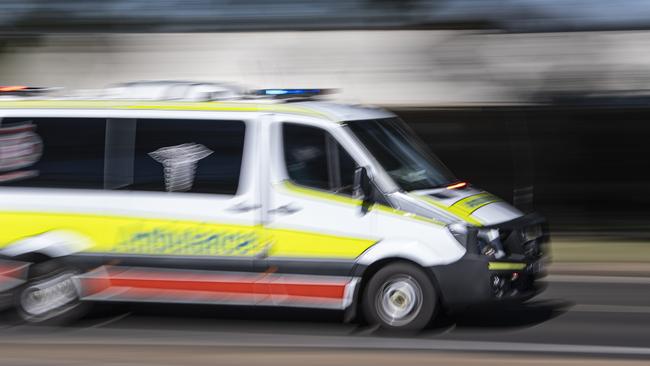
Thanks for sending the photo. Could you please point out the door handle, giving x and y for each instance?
(288, 209)
(243, 207)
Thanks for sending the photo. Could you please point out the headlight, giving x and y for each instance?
(491, 235)
(490, 243)
(459, 231)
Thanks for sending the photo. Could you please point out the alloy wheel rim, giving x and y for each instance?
(399, 300)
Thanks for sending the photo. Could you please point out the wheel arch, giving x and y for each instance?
(46, 246)
(33, 257)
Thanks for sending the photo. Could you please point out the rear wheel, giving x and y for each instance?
(49, 296)
(400, 296)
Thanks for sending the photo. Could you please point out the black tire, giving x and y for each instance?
(50, 278)
(404, 288)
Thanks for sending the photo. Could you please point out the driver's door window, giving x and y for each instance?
(314, 159)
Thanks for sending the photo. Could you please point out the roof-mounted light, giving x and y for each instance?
(292, 93)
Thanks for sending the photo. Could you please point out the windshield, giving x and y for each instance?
(404, 157)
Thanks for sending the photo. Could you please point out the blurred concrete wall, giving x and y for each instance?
(382, 67)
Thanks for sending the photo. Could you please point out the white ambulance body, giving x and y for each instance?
(248, 201)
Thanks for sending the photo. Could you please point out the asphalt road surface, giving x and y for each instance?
(578, 320)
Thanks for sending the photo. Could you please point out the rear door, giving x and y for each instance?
(316, 226)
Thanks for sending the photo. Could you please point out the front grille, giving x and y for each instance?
(515, 243)
(532, 249)
(524, 238)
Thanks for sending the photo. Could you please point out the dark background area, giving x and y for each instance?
(587, 165)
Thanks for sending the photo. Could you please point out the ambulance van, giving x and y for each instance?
(274, 198)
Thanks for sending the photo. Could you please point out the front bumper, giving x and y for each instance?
(477, 279)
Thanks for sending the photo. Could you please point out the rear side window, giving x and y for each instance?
(314, 159)
(164, 155)
(52, 152)
(172, 155)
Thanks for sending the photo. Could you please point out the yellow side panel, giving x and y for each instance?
(289, 243)
(138, 236)
(128, 235)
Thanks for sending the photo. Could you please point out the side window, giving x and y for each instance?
(314, 159)
(202, 156)
(52, 152)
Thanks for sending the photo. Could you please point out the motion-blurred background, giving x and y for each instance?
(543, 102)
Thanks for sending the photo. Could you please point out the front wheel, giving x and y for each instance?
(400, 296)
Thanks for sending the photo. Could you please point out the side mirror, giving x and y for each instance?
(364, 189)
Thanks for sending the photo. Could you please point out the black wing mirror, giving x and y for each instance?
(364, 189)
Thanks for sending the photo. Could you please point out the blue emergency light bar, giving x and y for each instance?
(292, 93)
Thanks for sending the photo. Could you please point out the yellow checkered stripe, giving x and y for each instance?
(464, 207)
(472, 203)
